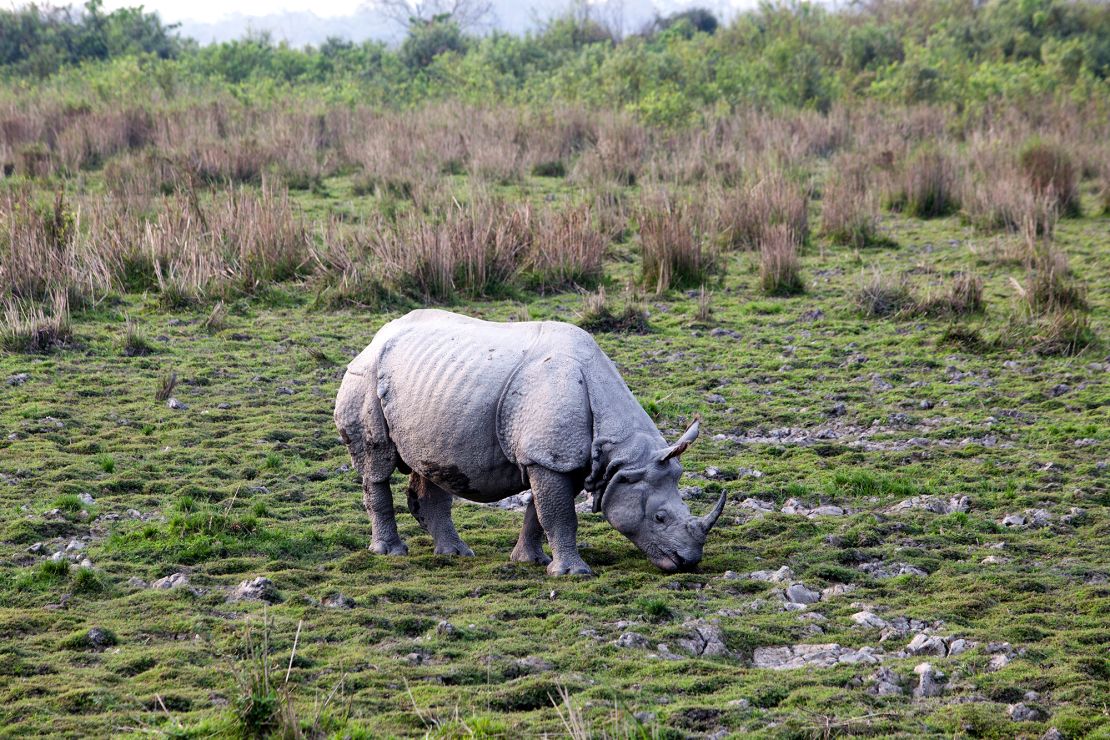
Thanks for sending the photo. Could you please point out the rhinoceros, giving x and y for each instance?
(485, 410)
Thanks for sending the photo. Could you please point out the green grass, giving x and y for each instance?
(260, 488)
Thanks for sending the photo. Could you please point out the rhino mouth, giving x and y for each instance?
(673, 563)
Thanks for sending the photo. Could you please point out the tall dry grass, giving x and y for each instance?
(674, 251)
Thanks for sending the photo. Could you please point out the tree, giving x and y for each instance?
(465, 14)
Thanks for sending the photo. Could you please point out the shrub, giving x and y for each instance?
(1049, 286)
(884, 295)
(849, 209)
(1064, 333)
(566, 249)
(673, 252)
(597, 315)
(964, 296)
(926, 187)
(1051, 172)
(34, 327)
(742, 216)
(779, 272)
(135, 343)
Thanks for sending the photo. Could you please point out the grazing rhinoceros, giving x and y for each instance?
(484, 410)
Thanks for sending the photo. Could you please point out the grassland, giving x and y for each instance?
(803, 396)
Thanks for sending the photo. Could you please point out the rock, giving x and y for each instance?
(826, 511)
(837, 589)
(929, 681)
(740, 703)
(136, 582)
(923, 644)
(36, 548)
(885, 682)
(645, 718)
(1052, 734)
(1013, 520)
(794, 506)
(881, 570)
(338, 601)
(223, 406)
(1022, 712)
(705, 639)
(821, 655)
(925, 405)
(960, 646)
(998, 662)
(86, 499)
(868, 619)
(171, 581)
(414, 658)
(255, 589)
(1059, 390)
(933, 504)
(712, 472)
(18, 379)
(631, 640)
(529, 665)
(99, 638)
(1039, 518)
(994, 560)
(799, 593)
(75, 545)
(758, 505)
(176, 405)
(777, 576)
(1074, 515)
(446, 629)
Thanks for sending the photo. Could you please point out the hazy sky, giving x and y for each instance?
(208, 11)
(211, 10)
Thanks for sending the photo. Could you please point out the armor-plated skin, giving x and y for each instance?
(484, 410)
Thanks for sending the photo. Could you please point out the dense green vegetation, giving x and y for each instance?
(795, 54)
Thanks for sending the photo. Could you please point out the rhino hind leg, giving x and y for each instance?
(529, 546)
(553, 494)
(431, 505)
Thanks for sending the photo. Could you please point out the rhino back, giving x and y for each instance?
(439, 379)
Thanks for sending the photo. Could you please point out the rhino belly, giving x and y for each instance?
(439, 393)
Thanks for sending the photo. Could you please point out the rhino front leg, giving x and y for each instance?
(529, 546)
(432, 508)
(378, 499)
(553, 494)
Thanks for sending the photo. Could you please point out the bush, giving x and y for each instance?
(779, 272)
(1049, 286)
(926, 187)
(36, 328)
(743, 216)
(597, 315)
(964, 296)
(1052, 174)
(673, 253)
(849, 211)
(883, 295)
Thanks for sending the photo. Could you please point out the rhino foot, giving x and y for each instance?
(520, 555)
(569, 568)
(458, 548)
(396, 547)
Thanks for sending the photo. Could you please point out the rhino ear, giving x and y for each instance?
(544, 415)
(683, 442)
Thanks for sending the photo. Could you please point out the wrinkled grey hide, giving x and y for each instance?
(484, 410)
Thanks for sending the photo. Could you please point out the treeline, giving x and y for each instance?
(781, 55)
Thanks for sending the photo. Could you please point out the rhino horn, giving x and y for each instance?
(706, 522)
(683, 442)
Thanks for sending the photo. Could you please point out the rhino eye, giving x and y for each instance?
(660, 516)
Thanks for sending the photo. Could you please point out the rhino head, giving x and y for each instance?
(637, 491)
